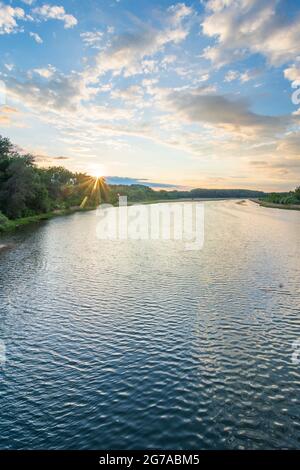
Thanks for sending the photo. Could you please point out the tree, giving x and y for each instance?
(3, 219)
(56, 179)
(6, 148)
(23, 192)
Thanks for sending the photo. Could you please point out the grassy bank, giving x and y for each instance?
(12, 225)
(273, 205)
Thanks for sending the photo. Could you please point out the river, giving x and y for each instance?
(142, 344)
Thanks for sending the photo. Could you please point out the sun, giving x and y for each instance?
(97, 171)
(98, 175)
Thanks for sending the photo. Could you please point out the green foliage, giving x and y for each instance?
(22, 193)
(140, 193)
(289, 198)
(31, 193)
(3, 220)
(28, 191)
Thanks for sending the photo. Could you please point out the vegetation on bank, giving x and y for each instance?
(29, 193)
(140, 193)
(291, 198)
(8, 225)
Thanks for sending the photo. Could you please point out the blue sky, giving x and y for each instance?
(180, 94)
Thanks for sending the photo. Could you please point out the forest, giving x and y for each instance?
(27, 190)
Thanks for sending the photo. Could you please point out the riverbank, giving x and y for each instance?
(272, 205)
(13, 225)
(3, 247)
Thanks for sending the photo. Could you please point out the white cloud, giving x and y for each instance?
(128, 52)
(45, 89)
(9, 17)
(234, 116)
(36, 37)
(179, 12)
(91, 38)
(250, 26)
(243, 77)
(231, 75)
(133, 95)
(9, 67)
(169, 59)
(47, 72)
(293, 73)
(54, 12)
(196, 120)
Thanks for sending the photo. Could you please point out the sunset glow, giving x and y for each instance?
(187, 94)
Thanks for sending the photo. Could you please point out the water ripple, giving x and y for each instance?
(144, 345)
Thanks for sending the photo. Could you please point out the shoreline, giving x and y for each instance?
(3, 247)
(273, 205)
(13, 225)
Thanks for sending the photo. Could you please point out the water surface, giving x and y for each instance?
(145, 345)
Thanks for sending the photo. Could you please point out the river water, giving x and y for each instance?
(142, 344)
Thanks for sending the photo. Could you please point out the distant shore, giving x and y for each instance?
(272, 205)
(183, 199)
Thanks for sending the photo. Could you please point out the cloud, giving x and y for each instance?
(230, 114)
(45, 89)
(132, 94)
(92, 38)
(282, 161)
(46, 72)
(289, 146)
(54, 12)
(9, 17)
(127, 52)
(240, 27)
(63, 101)
(45, 160)
(9, 116)
(179, 12)
(292, 73)
(279, 168)
(243, 77)
(9, 67)
(231, 75)
(36, 37)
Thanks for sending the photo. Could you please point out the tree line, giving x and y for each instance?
(27, 190)
(287, 198)
(141, 193)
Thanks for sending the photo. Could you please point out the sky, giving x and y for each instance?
(173, 94)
